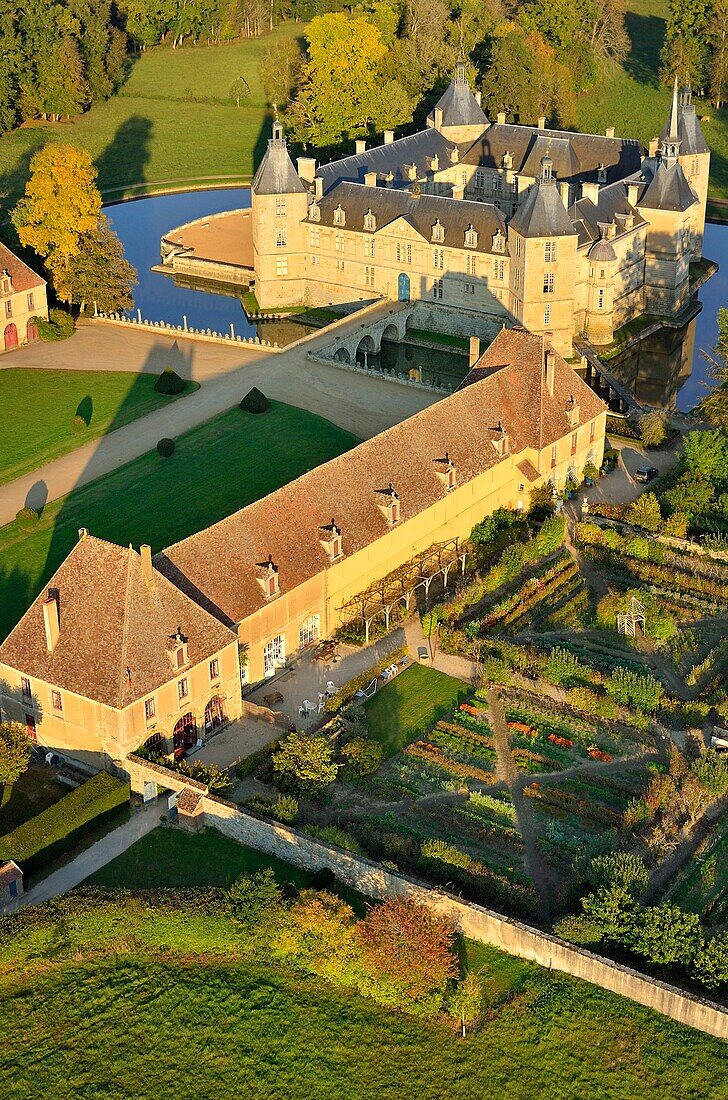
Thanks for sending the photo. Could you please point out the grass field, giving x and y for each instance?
(163, 995)
(217, 468)
(173, 119)
(35, 790)
(44, 403)
(408, 706)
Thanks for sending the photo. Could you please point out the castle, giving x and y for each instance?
(561, 233)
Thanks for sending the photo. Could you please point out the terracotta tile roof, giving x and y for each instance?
(24, 278)
(110, 621)
(9, 872)
(189, 800)
(218, 566)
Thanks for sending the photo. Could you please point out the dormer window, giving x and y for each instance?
(507, 160)
(572, 411)
(435, 163)
(331, 540)
(389, 504)
(438, 232)
(454, 155)
(446, 471)
(339, 215)
(268, 577)
(602, 173)
(411, 171)
(6, 283)
(499, 242)
(471, 237)
(500, 440)
(178, 652)
(370, 222)
(314, 212)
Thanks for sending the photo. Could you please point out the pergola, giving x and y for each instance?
(399, 586)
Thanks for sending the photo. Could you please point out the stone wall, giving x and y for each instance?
(472, 920)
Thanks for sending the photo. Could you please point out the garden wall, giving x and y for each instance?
(474, 921)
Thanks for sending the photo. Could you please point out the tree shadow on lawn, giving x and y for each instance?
(646, 34)
(124, 161)
(410, 705)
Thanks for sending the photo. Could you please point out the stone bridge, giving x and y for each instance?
(359, 343)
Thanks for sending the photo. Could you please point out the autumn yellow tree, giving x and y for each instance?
(344, 90)
(60, 205)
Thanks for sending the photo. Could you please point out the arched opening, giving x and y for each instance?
(215, 713)
(11, 336)
(31, 332)
(155, 744)
(342, 355)
(185, 734)
(403, 287)
(391, 333)
(365, 349)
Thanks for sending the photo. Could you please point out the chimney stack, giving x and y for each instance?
(361, 147)
(550, 370)
(632, 193)
(51, 620)
(145, 553)
(564, 193)
(609, 132)
(654, 143)
(590, 190)
(306, 169)
(478, 98)
(437, 118)
(474, 351)
(318, 188)
(501, 118)
(541, 122)
(388, 137)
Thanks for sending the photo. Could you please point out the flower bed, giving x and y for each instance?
(560, 740)
(433, 755)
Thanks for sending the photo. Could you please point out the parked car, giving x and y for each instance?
(646, 474)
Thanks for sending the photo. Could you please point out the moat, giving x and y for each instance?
(665, 369)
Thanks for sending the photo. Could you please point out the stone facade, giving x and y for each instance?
(561, 233)
(22, 298)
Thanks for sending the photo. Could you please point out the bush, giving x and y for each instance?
(79, 425)
(362, 757)
(645, 512)
(634, 689)
(305, 763)
(653, 428)
(710, 965)
(563, 669)
(165, 447)
(27, 518)
(255, 402)
(169, 383)
(624, 869)
(59, 326)
(38, 841)
(332, 834)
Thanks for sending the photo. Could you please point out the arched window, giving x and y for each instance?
(471, 237)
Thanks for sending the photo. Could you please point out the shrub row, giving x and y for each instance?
(37, 842)
(348, 690)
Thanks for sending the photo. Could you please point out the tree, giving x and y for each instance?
(61, 204)
(256, 903)
(408, 950)
(305, 763)
(99, 272)
(718, 31)
(685, 52)
(706, 453)
(666, 934)
(343, 91)
(653, 426)
(465, 1002)
(714, 406)
(15, 746)
(633, 689)
(692, 494)
(623, 869)
(612, 910)
(280, 71)
(710, 965)
(320, 936)
(525, 79)
(645, 512)
(362, 756)
(239, 90)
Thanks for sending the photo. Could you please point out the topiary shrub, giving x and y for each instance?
(255, 402)
(27, 518)
(59, 326)
(169, 383)
(79, 425)
(165, 447)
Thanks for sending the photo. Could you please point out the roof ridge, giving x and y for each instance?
(125, 621)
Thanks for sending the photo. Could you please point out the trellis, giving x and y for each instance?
(628, 621)
(400, 586)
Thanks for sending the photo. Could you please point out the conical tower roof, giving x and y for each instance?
(276, 174)
(542, 213)
(684, 121)
(458, 104)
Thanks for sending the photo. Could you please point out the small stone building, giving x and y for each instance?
(11, 882)
(190, 810)
(22, 299)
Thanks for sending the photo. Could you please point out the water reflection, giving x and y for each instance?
(435, 366)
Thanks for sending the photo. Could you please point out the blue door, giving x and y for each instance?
(403, 288)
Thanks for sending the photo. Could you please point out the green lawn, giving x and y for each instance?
(43, 403)
(35, 790)
(409, 705)
(172, 120)
(217, 468)
(170, 858)
(130, 997)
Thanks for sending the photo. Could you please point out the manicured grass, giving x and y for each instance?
(170, 858)
(217, 468)
(172, 120)
(221, 1028)
(408, 706)
(35, 790)
(43, 403)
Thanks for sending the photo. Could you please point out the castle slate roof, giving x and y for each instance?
(668, 189)
(394, 158)
(602, 251)
(111, 621)
(23, 277)
(688, 131)
(460, 107)
(611, 201)
(218, 565)
(421, 212)
(276, 174)
(574, 156)
(542, 213)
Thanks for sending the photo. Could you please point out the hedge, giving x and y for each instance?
(37, 842)
(169, 383)
(255, 402)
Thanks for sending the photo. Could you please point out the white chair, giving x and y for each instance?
(387, 672)
(322, 705)
(330, 687)
(302, 712)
